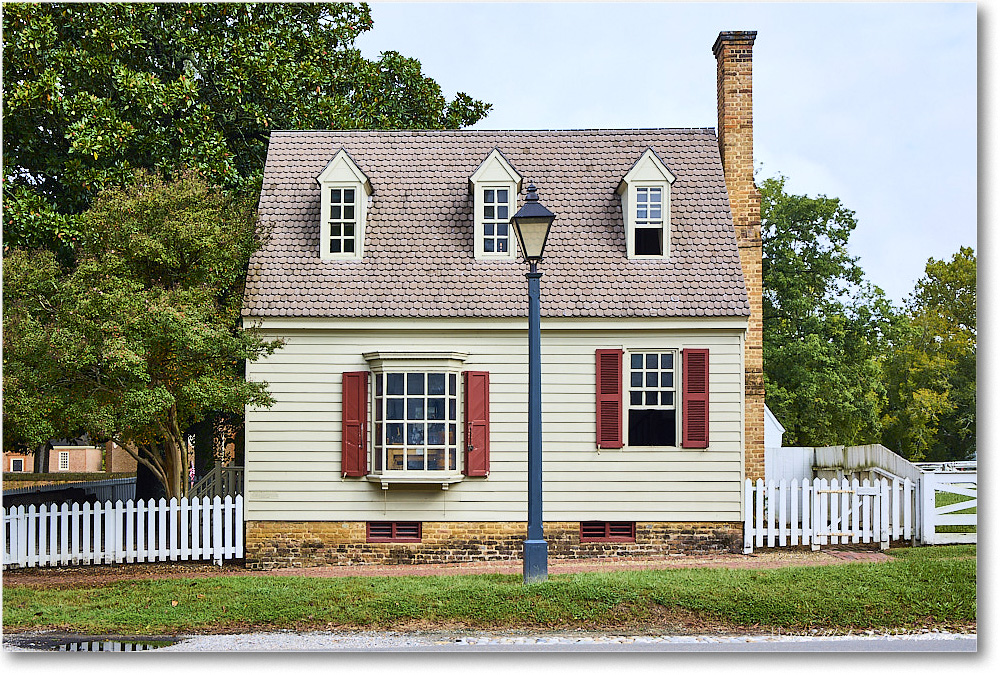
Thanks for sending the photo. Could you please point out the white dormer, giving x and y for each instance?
(494, 186)
(346, 195)
(645, 194)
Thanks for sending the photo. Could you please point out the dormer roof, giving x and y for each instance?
(343, 169)
(418, 257)
(495, 168)
(649, 167)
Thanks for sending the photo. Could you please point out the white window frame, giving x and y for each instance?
(64, 460)
(17, 459)
(648, 172)
(495, 173)
(677, 389)
(448, 363)
(342, 173)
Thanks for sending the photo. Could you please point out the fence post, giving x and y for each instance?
(759, 513)
(928, 485)
(747, 517)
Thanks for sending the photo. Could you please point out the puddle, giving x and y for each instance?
(93, 644)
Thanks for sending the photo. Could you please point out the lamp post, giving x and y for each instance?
(531, 226)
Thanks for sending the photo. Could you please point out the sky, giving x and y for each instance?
(873, 103)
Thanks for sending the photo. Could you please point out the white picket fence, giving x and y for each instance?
(143, 531)
(820, 512)
(962, 483)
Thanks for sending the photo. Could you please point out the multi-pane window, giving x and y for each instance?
(652, 393)
(496, 220)
(17, 465)
(342, 220)
(415, 422)
(64, 461)
(649, 221)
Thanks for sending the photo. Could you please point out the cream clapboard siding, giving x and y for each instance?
(293, 448)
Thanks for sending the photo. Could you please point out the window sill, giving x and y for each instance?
(442, 478)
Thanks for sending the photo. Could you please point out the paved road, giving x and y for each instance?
(374, 641)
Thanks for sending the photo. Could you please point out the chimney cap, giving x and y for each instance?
(739, 36)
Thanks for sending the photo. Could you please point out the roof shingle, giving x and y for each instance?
(418, 255)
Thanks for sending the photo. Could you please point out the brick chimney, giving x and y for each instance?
(734, 59)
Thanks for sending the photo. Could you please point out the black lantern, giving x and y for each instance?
(531, 224)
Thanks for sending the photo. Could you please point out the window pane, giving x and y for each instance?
(488, 229)
(667, 360)
(415, 459)
(453, 384)
(652, 379)
(636, 379)
(435, 408)
(414, 383)
(348, 229)
(654, 194)
(394, 409)
(334, 246)
(435, 434)
(667, 379)
(488, 196)
(666, 398)
(335, 230)
(636, 361)
(335, 212)
(378, 409)
(348, 246)
(454, 461)
(640, 195)
(640, 213)
(415, 434)
(335, 196)
(488, 245)
(348, 196)
(435, 459)
(648, 241)
(502, 229)
(652, 427)
(501, 245)
(502, 196)
(652, 361)
(488, 212)
(435, 384)
(502, 213)
(414, 408)
(378, 384)
(651, 397)
(452, 434)
(452, 409)
(394, 434)
(348, 213)
(654, 212)
(394, 384)
(636, 398)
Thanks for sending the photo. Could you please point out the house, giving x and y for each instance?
(399, 431)
(75, 455)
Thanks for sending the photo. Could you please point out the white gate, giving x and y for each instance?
(950, 507)
(822, 512)
(74, 534)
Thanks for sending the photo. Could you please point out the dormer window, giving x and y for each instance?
(344, 201)
(645, 195)
(494, 187)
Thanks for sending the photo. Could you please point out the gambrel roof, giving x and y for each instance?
(418, 256)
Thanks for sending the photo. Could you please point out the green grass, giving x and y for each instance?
(919, 587)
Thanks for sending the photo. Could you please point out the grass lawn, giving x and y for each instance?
(923, 587)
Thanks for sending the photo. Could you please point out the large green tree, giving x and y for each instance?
(823, 323)
(140, 339)
(931, 367)
(93, 91)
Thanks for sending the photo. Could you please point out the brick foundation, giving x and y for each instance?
(272, 544)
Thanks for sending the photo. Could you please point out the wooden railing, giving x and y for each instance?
(219, 482)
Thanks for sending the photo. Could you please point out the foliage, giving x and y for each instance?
(931, 369)
(824, 325)
(926, 587)
(93, 91)
(139, 340)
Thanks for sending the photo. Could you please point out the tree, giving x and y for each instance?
(931, 368)
(139, 340)
(823, 324)
(93, 91)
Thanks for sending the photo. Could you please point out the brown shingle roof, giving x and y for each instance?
(418, 255)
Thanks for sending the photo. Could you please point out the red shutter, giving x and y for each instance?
(609, 398)
(354, 431)
(477, 423)
(695, 399)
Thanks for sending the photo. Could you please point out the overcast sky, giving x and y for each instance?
(874, 104)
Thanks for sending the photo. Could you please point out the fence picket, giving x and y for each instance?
(782, 509)
(185, 529)
(217, 541)
(173, 528)
(747, 516)
(238, 526)
(759, 511)
(227, 529)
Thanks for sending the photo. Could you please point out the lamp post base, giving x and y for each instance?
(536, 561)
